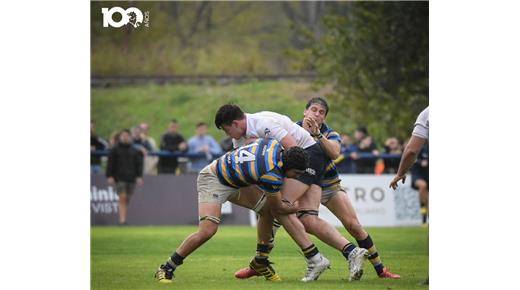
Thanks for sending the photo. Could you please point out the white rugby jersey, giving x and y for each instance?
(422, 125)
(273, 125)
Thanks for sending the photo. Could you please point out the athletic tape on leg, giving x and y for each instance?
(210, 218)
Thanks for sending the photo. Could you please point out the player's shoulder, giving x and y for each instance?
(328, 131)
(424, 118)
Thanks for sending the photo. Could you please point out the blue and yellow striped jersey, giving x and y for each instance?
(331, 176)
(257, 163)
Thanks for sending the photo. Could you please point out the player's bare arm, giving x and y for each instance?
(408, 159)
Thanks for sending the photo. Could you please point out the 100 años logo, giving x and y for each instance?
(132, 16)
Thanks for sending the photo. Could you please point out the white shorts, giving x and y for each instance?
(330, 192)
(210, 189)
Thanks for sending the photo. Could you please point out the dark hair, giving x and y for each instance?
(226, 114)
(125, 130)
(173, 121)
(362, 130)
(319, 101)
(199, 124)
(295, 158)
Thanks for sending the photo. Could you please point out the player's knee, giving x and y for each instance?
(208, 226)
(421, 184)
(309, 219)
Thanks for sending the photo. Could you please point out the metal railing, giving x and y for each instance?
(361, 155)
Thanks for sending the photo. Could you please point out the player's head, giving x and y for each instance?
(317, 108)
(231, 119)
(295, 161)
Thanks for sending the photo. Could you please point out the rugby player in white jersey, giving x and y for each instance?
(306, 189)
(333, 195)
(420, 135)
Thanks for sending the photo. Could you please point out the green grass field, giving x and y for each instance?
(127, 257)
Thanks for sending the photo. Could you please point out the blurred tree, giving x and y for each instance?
(304, 16)
(376, 55)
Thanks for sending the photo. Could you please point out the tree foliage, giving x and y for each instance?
(376, 54)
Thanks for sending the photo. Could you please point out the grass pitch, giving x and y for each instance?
(127, 257)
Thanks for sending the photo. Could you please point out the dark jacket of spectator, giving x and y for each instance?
(392, 146)
(96, 143)
(125, 163)
(170, 142)
(366, 165)
(143, 143)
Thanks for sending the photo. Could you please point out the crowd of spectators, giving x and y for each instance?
(360, 153)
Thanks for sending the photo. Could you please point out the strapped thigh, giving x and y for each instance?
(213, 219)
(261, 202)
(304, 212)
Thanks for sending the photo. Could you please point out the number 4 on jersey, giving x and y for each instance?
(244, 155)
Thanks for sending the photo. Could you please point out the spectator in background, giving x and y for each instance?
(140, 141)
(202, 143)
(392, 146)
(365, 144)
(145, 134)
(346, 164)
(172, 142)
(150, 162)
(114, 139)
(124, 170)
(96, 143)
(226, 144)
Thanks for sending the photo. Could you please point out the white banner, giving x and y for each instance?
(376, 204)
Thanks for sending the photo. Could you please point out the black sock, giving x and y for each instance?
(310, 251)
(373, 255)
(174, 261)
(262, 260)
(347, 249)
(263, 250)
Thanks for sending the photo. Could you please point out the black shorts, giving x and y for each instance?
(126, 187)
(418, 174)
(317, 165)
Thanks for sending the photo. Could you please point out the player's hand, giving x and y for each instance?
(110, 180)
(139, 181)
(287, 207)
(311, 126)
(396, 179)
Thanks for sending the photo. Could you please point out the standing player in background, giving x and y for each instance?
(263, 164)
(333, 195)
(420, 136)
(306, 189)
